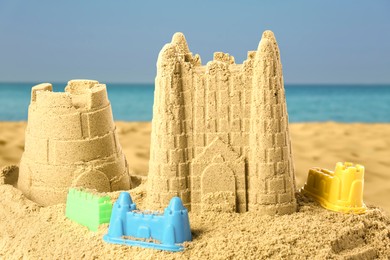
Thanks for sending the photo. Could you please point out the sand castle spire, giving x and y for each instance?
(271, 173)
(168, 137)
(215, 130)
(269, 35)
(180, 41)
(70, 141)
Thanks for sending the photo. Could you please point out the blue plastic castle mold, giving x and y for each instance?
(167, 231)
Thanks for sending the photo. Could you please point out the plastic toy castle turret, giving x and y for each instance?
(220, 138)
(341, 190)
(70, 142)
(166, 231)
(88, 209)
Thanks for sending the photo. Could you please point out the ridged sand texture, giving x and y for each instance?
(220, 137)
(70, 142)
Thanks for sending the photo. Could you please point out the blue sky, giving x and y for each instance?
(118, 41)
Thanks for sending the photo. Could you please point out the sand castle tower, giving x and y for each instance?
(70, 141)
(220, 136)
(271, 186)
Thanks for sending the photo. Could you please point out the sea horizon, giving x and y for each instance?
(317, 102)
(33, 83)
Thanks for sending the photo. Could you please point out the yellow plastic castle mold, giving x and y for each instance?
(341, 190)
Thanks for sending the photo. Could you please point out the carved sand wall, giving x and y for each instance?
(70, 141)
(220, 136)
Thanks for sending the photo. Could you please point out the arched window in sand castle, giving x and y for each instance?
(220, 136)
(70, 141)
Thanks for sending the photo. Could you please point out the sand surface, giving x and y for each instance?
(33, 232)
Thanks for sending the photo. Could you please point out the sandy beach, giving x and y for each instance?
(313, 144)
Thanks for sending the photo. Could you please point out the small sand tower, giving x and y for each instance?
(70, 141)
(220, 137)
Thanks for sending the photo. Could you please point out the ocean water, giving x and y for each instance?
(305, 103)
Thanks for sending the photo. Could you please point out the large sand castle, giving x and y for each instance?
(70, 141)
(220, 137)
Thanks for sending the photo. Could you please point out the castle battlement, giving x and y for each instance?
(341, 190)
(217, 109)
(81, 95)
